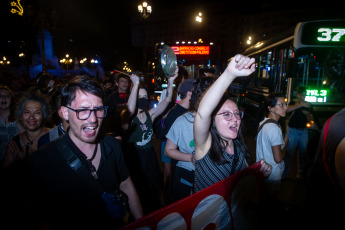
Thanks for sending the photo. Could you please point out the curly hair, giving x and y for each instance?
(199, 87)
(33, 96)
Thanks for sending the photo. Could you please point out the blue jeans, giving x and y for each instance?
(298, 138)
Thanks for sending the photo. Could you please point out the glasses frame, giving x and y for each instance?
(282, 105)
(77, 111)
(232, 115)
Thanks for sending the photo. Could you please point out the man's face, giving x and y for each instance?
(83, 131)
(122, 85)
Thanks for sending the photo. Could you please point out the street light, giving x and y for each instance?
(144, 10)
(67, 60)
(4, 61)
(249, 40)
(198, 18)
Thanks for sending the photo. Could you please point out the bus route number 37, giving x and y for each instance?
(330, 34)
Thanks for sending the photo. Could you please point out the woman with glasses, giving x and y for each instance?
(220, 150)
(270, 143)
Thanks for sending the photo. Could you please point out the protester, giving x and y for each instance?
(32, 112)
(139, 148)
(326, 188)
(72, 196)
(117, 101)
(219, 147)
(300, 114)
(180, 141)
(8, 125)
(61, 124)
(184, 90)
(270, 142)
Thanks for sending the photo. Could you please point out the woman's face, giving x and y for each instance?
(5, 99)
(227, 120)
(280, 108)
(142, 93)
(32, 115)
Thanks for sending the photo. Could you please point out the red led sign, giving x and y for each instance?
(191, 50)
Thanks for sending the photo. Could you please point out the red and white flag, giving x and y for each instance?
(233, 203)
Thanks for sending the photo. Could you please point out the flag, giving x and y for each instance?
(233, 203)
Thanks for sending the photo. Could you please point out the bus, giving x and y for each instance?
(311, 54)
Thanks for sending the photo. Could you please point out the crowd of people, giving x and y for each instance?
(70, 146)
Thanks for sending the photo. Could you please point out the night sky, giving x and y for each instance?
(86, 27)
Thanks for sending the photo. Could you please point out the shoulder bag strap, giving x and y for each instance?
(74, 162)
(266, 122)
(324, 154)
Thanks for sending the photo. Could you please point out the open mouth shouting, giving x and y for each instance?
(90, 130)
(234, 128)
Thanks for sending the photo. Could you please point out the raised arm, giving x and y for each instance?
(132, 99)
(155, 112)
(239, 66)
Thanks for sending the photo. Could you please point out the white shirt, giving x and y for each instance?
(270, 135)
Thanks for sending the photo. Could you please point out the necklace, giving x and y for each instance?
(30, 142)
(94, 153)
(91, 167)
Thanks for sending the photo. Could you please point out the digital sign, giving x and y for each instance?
(191, 50)
(315, 95)
(330, 34)
(325, 33)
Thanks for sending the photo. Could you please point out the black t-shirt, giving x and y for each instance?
(163, 126)
(65, 198)
(299, 120)
(116, 103)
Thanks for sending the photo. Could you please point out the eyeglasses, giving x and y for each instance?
(228, 115)
(282, 105)
(84, 114)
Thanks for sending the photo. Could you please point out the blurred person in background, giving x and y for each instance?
(9, 127)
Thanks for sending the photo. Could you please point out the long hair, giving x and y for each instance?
(12, 116)
(84, 83)
(218, 144)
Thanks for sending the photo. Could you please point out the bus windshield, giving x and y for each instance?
(322, 72)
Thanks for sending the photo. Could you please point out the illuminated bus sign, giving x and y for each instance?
(330, 34)
(325, 33)
(315, 95)
(191, 50)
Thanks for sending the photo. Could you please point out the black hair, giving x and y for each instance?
(121, 75)
(13, 102)
(271, 101)
(218, 144)
(199, 87)
(43, 79)
(84, 83)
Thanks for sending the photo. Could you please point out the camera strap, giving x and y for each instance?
(77, 165)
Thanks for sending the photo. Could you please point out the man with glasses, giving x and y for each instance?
(67, 195)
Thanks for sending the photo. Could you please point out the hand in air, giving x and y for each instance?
(241, 65)
(135, 79)
(172, 78)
